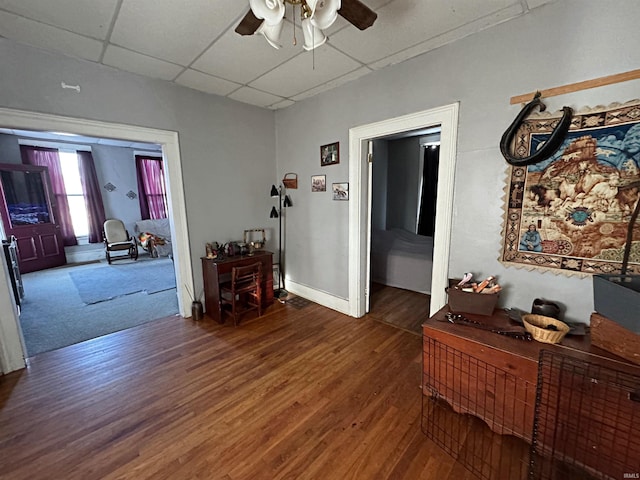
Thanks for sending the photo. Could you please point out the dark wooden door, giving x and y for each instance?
(29, 213)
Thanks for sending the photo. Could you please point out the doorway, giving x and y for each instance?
(12, 357)
(446, 118)
(403, 201)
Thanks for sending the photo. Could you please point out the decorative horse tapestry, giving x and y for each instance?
(570, 213)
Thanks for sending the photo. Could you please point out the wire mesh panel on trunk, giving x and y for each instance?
(479, 413)
(587, 419)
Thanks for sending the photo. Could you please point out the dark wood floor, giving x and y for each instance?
(301, 393)
(398, 307)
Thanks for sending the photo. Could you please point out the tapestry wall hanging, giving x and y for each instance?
(570, 213)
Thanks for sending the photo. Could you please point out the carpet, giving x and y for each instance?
(54, 316)
(105, 282)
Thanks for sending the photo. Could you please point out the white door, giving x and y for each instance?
(369, 161)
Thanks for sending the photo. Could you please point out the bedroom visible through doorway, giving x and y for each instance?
(446, 118)
(404, 171)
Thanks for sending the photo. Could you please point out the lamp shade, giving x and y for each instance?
(313, 36)
(287, 201)
(325, 12)
(272, 11)
(274, 213)
(274, 191)
(271, 33)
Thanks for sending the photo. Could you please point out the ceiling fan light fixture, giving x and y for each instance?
(324, 12)
(272, 11)
(271, 33)
(313, 36)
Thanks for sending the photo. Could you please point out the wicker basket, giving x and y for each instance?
(535, 325)
(290, 180)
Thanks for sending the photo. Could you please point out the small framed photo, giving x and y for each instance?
(330, 154)
(318, 183)
(340, 191)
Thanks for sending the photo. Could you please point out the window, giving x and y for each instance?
(151, 187)
(75, 194)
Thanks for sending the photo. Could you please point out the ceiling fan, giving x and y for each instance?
(266, 17)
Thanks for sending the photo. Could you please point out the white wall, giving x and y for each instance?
(116, 165)
(564, 42)
(226, 177)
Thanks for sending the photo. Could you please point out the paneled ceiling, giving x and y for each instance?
(193, 43)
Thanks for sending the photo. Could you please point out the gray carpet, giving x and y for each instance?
(105, 282)
(54, 316)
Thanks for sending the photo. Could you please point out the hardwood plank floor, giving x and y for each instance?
(398, 307)
(298, 394)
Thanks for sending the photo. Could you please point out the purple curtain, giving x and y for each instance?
(92, 196)
(48, 157)
(151, 187)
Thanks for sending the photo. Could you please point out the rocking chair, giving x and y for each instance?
(117, 239)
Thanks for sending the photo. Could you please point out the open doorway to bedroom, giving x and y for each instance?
(360, 178)
(404, 178)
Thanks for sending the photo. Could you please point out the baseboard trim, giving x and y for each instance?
(322, 298)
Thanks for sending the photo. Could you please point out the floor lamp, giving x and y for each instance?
(276, 192)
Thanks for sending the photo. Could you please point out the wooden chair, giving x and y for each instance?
(117, 239)
(243, 293)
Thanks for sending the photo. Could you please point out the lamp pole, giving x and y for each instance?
(281, 292)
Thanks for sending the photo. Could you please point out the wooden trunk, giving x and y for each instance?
(614, 338)
(495, 378)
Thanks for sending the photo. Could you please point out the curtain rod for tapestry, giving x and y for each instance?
(576, 87)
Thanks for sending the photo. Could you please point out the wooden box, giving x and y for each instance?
(617, 297)
(614, 338)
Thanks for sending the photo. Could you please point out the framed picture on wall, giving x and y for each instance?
(330, 154)
(340, 191)
(318, 183)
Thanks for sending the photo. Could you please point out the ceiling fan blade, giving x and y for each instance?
(357, 13)
(249, 24)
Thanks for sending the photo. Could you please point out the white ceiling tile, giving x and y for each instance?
(72, 15)
(537, 3)
(137, 63)
(244, 58)
(254, 97)
(49, 38)
(157, 38)
(206, 83)
(305, 71)
(176, 31)
(405, 23)
(332, 84)
(450, 36)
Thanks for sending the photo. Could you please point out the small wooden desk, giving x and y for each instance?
(215, 272)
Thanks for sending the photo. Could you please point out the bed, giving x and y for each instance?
(402, 259)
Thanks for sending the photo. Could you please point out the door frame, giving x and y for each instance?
(12, 353)
(360, 208)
